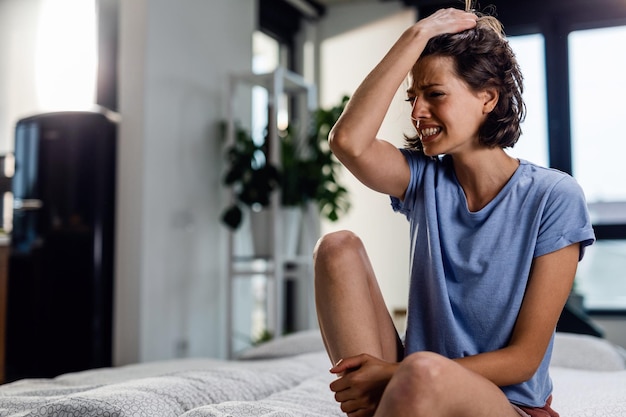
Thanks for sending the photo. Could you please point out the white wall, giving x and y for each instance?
(353, 39)
(18, 22)
(175, 57)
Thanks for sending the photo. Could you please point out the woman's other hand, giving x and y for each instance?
(360, 383)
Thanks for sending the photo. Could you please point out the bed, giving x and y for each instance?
(286, 377)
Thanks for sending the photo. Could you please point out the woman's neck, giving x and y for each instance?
(482, 174)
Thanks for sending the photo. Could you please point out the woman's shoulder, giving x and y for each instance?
(551, 180)
(541, 170)
(542, 173)
(420, 163)
(418, 157)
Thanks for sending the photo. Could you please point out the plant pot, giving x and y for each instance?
(289, 218)
(261, 230)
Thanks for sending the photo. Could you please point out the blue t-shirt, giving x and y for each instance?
(469, 270)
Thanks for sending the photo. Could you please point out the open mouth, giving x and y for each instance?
(428, 132)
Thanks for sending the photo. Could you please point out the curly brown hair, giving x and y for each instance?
(483, 59)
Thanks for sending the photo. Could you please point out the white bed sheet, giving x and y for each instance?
(194, 387)
(287, 386)
(584, 393)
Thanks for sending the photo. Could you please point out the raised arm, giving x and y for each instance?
(376, 163)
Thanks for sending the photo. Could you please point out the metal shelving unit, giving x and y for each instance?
(276, 267)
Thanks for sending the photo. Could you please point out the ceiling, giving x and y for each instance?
(412, 2)
(331, 2)
(529, 16)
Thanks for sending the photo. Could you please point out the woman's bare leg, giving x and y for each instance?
(428, 384)
(351, 311)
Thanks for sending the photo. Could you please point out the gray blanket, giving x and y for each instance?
(287, 377)
(295, 386)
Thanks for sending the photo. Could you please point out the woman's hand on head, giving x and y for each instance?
(447, 21)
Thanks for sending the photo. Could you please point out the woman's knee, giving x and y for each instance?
(335, 244)
(425, 368)
(420, 381)
(333, 253)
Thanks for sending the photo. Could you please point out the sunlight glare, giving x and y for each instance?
(66, 56)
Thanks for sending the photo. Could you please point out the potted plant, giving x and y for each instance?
(250, 174)
(308, 171)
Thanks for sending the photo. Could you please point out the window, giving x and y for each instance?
(533, 144)
(268, 55)
(66, 54)
(601, 276)
(597, 90)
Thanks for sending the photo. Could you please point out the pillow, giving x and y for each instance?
(570, 350)
(290, 345)
(586, 352)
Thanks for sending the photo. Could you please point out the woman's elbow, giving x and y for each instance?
(527, 373)
(529, 367)
(523, 364)
(342, 144)
(336, 139)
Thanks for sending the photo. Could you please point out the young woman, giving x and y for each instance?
(495, 241)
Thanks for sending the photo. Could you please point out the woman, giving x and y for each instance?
(495, 240)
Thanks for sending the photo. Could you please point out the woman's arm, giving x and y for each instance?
(550, 282)
(376, 163)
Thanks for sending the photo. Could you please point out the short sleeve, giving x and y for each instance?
(565, 219)
(416, 161)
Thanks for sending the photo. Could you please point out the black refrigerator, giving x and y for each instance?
(60, 279)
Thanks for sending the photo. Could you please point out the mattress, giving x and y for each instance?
(286, 377)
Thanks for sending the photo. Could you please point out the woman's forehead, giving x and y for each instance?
(431, 70)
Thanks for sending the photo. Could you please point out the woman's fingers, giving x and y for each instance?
(448, 21)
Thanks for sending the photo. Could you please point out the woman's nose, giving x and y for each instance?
(420, 109)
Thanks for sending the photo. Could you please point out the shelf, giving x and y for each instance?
(280, 270)
(291, 82)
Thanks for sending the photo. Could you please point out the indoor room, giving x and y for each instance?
(166, 176)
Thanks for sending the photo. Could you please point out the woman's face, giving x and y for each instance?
(446, 111)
